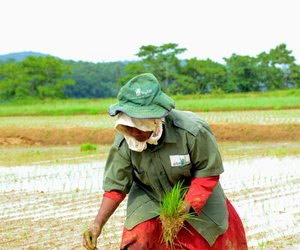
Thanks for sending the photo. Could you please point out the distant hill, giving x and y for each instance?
(20, 56)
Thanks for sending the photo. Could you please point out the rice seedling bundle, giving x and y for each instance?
(173, 214)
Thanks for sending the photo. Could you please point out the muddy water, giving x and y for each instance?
(265, 191)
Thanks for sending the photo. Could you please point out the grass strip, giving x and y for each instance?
(277, 100)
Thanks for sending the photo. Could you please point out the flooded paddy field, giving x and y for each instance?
(49, 194)
(48, 204)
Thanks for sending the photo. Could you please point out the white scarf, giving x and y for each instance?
(154, 125)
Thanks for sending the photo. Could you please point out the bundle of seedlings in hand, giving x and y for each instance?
(173, 214)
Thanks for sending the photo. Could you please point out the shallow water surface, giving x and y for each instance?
(266, 193)
(58, 178)
(254, 172)
(264, 190)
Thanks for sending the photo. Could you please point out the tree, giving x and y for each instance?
(278, 68)
(159, 60)
(205, 74)
(95, 80)
(183, 84)
(295, 76)
(36, 77)
(12, 81)
(46, 76)
(243, 74)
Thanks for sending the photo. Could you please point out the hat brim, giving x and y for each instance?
(136, 111)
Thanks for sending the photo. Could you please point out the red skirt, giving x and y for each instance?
(147, 236)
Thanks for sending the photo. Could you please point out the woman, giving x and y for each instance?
(155, 148)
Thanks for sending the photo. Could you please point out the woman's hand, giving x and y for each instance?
(108, 206)
(91, 235)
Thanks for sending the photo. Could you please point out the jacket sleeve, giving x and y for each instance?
(118, 172)
(205, 156)
(199, 191)
(117, 196)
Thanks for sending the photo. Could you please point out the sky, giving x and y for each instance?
(113, 30)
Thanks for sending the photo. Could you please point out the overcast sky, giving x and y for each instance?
(110, 30)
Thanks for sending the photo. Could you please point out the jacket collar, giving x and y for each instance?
(169, 131)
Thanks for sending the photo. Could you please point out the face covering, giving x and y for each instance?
(154, 125)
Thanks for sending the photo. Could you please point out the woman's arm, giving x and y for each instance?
(117, 181)
(206, 169)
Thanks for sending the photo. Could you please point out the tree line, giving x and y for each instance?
(49, 77)
(276, 69)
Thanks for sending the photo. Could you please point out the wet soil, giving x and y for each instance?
(230, 132)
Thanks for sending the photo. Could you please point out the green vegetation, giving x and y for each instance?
(48, 77)
(276, 69)
(88, 147)
(56, 107)
(209, 102)
(173, 201)
(215, 104)
(94, 80)
(172, 213)
(38, 77)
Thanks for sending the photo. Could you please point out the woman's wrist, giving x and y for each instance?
(108, 206)
(100, 221)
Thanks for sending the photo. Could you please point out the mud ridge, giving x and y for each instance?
(73, 136)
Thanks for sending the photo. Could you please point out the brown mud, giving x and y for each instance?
(73, 136)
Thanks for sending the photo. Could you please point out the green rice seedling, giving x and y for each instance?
(172, 214)
(88, 147)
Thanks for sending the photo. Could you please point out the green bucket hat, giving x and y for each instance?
(141, 97)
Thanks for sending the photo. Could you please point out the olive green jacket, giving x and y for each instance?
(187, 149)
